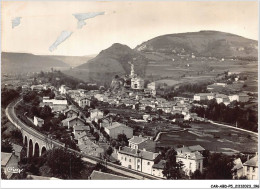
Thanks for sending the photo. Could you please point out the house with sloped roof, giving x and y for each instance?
(69, 122)
(38, 121)
(190, 149)
(116, 128)
(250, 168)
(9, 163)
(78, 129)
(98, 175)
(71, 112)
(140, 160)
(142, 143)
(17, 150)
(192, 161)
(158, 169)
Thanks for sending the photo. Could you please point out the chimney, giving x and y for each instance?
(247, 157)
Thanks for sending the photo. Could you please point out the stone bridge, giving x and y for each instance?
(34, 141)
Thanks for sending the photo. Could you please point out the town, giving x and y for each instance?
(125, 125)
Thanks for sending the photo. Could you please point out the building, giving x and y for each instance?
(137, 83)
(115, 128)
(83, 101)
(54, 102)
(192, 161)
(190, 149)
(139, 160)
(98, 175)
(78, 129)
(17, 150)
(243, 98)
(71, 112)
(26, 88)
(63, 89)
(37, 87)
(250, 168)
(96, 114)
(158, 169)
(203, 96)
(9, 163)
(38, 121)
(221, 98)
(69, 122)
(135, 141)
(142, 143)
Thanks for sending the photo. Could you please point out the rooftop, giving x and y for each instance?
(137, 139)
(142, 153)
(160, 165)
(190, 149)
(253, 162)
(115, 125)
(5, 157)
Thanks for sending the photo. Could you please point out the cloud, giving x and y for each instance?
(16, 22)
(84, 16)
(62, 37)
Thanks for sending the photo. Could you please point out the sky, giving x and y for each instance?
(85, 28)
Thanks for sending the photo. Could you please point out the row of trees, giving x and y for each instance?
(244, 118)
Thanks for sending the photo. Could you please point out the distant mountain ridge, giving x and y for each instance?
(25, 62)
(203, 43)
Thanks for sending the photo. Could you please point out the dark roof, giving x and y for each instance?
(142, 153)
(160, 165)
(97, 175)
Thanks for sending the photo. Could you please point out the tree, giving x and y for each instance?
(91, 130)
(6, 146)
(45, 112)
(64, 164)
(219, 167)
(148, 109)
(96, 135)
(109, 151)
(102, 129)
(122, 137)
(197, 175)
(106, 111)
(172, 169)
(113, 143)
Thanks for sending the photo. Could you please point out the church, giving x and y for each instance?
(136, 81)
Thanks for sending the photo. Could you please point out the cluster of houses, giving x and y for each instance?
(248, 169)
(221, 98)
(140, 155)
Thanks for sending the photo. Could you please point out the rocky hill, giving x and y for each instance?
(203, 44)
(114, 61)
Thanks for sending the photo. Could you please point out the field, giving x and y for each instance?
(213, 138)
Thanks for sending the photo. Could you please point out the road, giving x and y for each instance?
(117, 168)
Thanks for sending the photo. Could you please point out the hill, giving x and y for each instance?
(25, 62)
(203, 44)
(113, 61)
